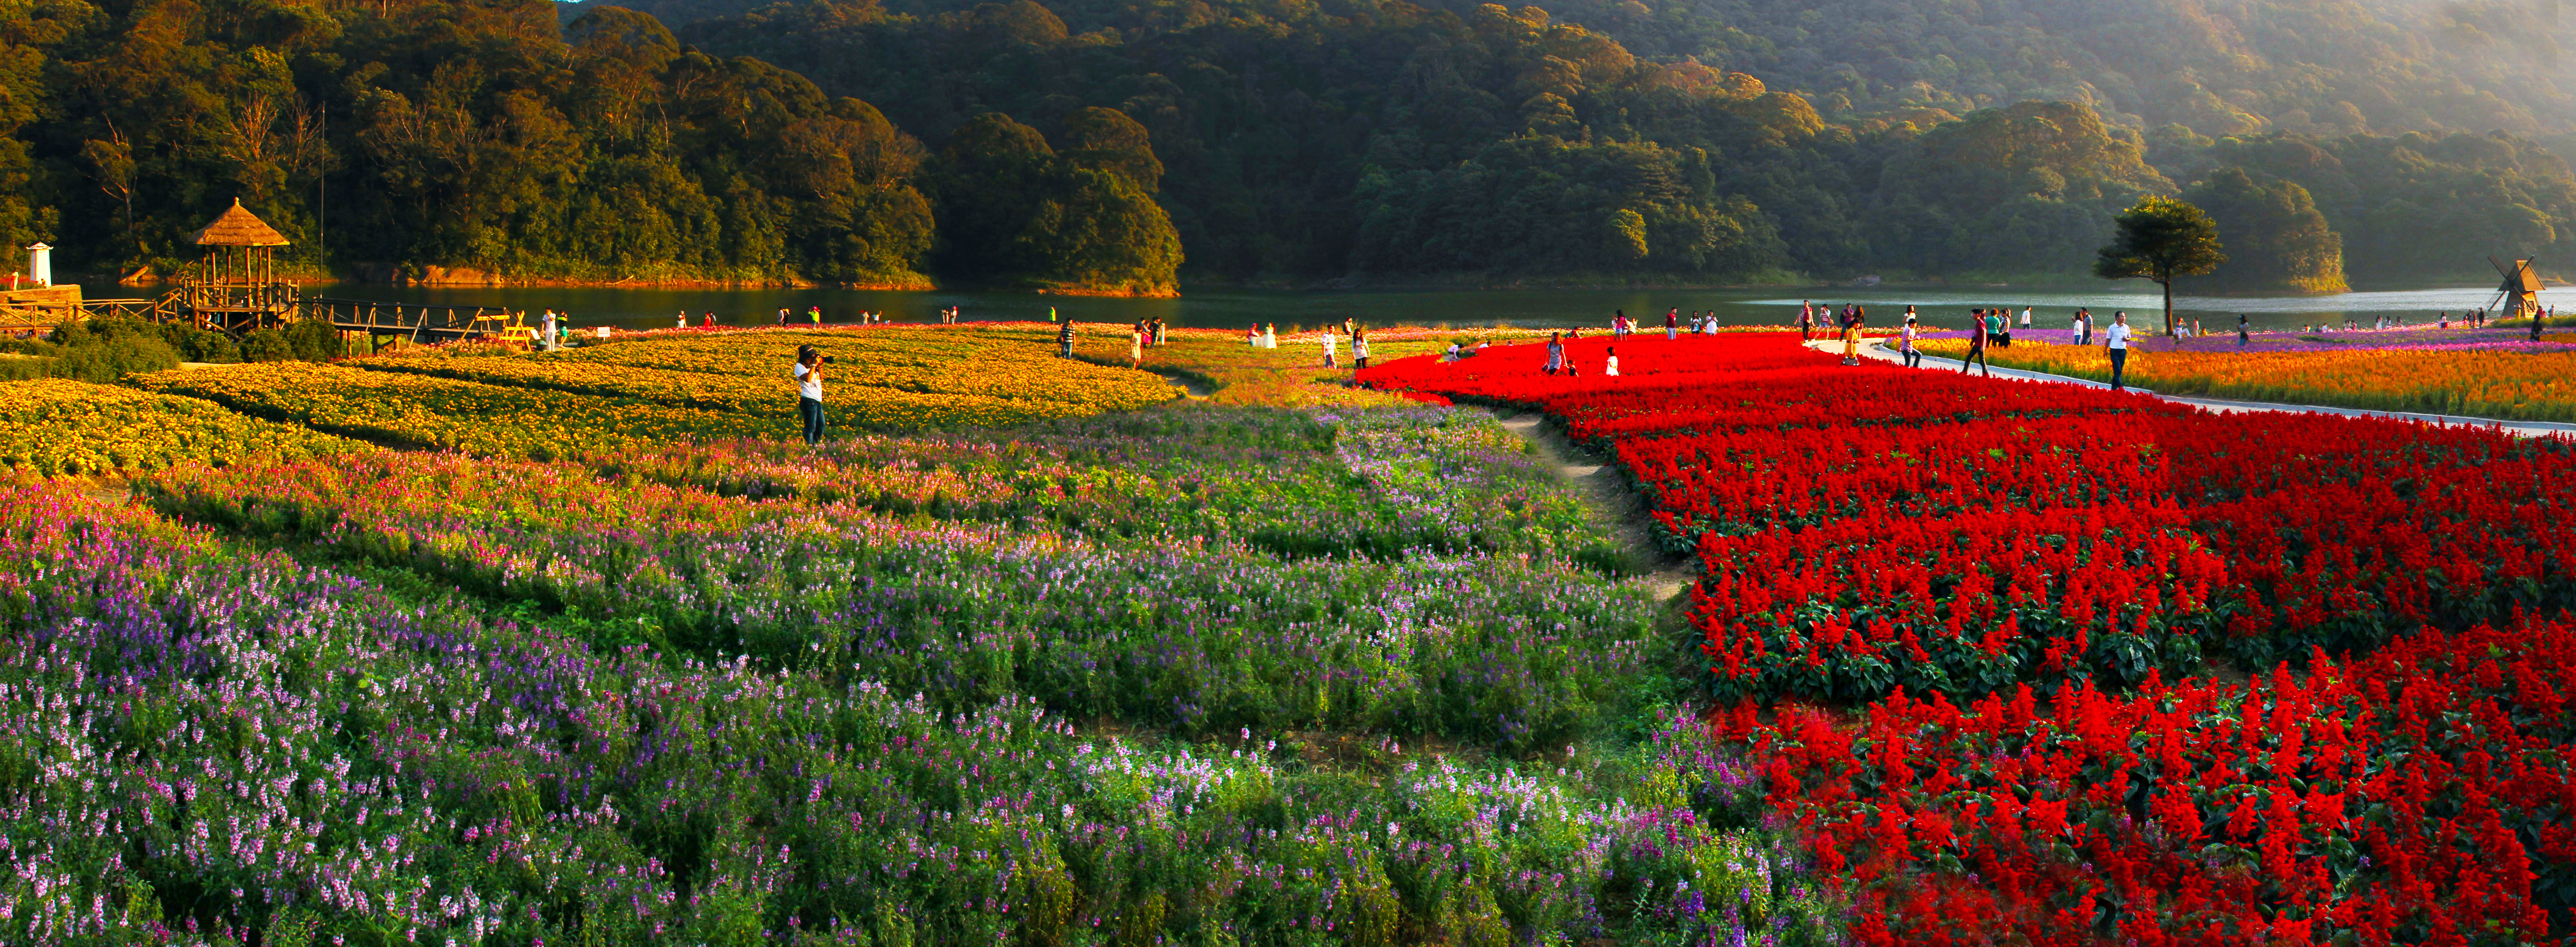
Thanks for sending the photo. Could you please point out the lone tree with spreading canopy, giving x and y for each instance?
(2161, 238)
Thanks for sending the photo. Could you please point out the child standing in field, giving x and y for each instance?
(1610, 363)
(1851, 335)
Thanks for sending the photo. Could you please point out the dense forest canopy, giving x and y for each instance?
(1128, 145)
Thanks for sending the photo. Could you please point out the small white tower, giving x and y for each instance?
(40, 264)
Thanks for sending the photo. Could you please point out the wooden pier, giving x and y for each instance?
(234, 289)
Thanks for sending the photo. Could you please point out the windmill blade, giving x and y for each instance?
(2499, 267)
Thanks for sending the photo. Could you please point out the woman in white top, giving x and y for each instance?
(809, 392)
(684, 319)
(1270, 336)
(1329, 339)
(1610, 365)
(1359, 349)
(2116, 340)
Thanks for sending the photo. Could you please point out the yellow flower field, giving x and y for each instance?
(886, 379)
(423, 411)
(2514, 386)
(1015, 364)
(54, 427)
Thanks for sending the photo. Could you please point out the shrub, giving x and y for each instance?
(314, 341)
(118, 356)
(266, 345)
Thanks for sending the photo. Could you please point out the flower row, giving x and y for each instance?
(55, 427)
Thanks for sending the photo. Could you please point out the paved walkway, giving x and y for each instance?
(1877, 349)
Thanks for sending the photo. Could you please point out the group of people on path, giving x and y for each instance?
(1986, 326)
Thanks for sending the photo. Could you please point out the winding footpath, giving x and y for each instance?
(1877, 349)
(1617, 510)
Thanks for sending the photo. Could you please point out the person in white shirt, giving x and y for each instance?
(1329, 339)
(684, 319)
(1610, 365)
(2116, 340)
(809, 392)
(2025, 317)
(1359, 349)
(1912, 358)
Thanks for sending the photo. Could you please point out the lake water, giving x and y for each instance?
(655, 308)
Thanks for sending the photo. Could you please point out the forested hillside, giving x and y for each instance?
(1398, 142)
(1129, 145)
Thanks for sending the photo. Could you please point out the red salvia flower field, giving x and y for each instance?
(2045, 664)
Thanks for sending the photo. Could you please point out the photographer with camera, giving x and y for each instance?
(809, 391)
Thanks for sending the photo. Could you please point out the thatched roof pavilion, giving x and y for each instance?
(237, 227)
(235, 285)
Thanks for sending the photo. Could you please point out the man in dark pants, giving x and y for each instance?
(809, 393)
(1976, 344)
(2116, 339)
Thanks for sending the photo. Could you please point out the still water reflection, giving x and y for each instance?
(654, 308)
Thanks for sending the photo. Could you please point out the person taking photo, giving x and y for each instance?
(809, 392)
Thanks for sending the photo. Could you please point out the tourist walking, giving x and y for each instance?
(1618, 324)
(2244, 331)
(1064, 340)
(1359, 349)
(1158, 330)
(1330, 340)
(1270, 336)
(1610, 362)
(1556, 352)
(1977, 333)
(1906, 352)
(2025, 317)
(1672, 324)
(1136, 345)
(809, 392)
(814, 313)
(2116, 340)
(1806, 320)
(684, 319)
(1252, 336)
(782, 315)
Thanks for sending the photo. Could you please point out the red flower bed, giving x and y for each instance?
(1868, 534)
(2327, 531)
(2419, 795)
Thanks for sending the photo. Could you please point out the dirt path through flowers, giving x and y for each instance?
(1615, 509)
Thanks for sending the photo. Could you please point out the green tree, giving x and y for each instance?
(2161, 239)
(1012, 211)
(2282, 241)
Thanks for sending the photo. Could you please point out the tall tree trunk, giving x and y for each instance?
(2167, 283)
